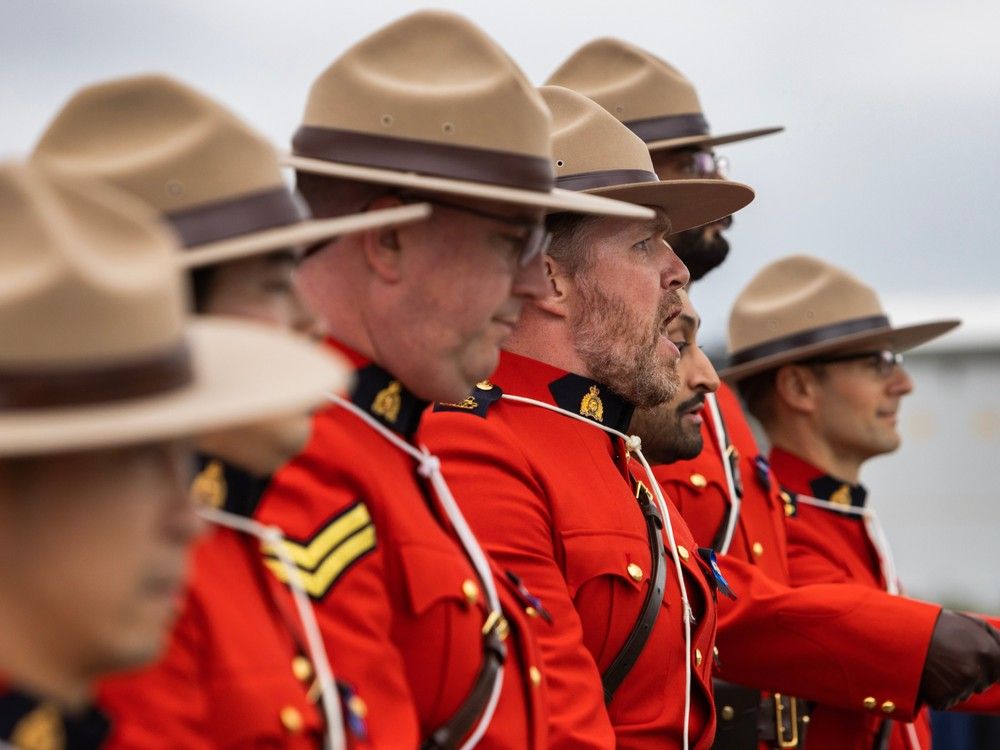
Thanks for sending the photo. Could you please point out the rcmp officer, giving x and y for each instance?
(549, 479)
(102, 377)
(826, 382)
(430, 638)
(732, 502)
(237, 647)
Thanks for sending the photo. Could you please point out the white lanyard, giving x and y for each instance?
(274, 540)
(634, 445)
(876, 535)
(429, 467)
(727, 468)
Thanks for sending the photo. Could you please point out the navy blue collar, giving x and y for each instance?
(593, 400)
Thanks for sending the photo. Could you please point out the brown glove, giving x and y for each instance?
(963, 658)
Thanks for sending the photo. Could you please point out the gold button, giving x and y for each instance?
(888, 707)
(357, 706)
(302, 668)
(532, 612)
(697, 657)
(698, 480)
(758, 549)
(471, 591)
(484, 385)
(804, 719)
(535, 675)
(727, 713)
(634, 571)
(291, 719)
(682, 551)
(715, 651)
(789, 509)
(870, 702)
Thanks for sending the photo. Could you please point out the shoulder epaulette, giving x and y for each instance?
(478, 402)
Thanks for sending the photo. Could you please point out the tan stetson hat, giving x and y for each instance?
(96, 349)
(800, 307)
(215, 180)
(596, 153)
(650, 96)
(431, 103)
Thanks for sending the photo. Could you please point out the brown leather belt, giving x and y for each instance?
(451, 734)
(745, 718)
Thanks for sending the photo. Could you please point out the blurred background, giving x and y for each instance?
(889, 167)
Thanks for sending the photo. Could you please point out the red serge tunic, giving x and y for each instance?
(553, 498)
(837, 645)
(831, 546)
(399, 604)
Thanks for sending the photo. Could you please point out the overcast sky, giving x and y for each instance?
(889, 164)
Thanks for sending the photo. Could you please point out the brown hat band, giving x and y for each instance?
(425, 157)
(235, 217)
(605, 178)
(807, 338)
(45, 389)
(670, 126)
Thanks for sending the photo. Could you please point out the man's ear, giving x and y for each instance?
(559, 287)
(797, 387)
(382, 246)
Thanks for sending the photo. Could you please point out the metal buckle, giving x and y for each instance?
(495, 621)
(779, 712)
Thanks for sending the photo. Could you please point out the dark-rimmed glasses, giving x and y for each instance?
(536, 241)
(885, 361)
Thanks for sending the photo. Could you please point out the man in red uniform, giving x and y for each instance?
(728, 496)
(238, 670)
(549, 483)
(424, 630)
(102, 382)
(826, 383)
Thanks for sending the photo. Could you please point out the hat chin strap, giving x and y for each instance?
(633, 443)
(274, 540)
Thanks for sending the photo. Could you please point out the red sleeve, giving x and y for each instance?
(310, 499)
(504, 502)
(835, 644)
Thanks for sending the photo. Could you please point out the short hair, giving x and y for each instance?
(570, 244)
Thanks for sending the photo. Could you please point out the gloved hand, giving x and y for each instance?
(963, 658)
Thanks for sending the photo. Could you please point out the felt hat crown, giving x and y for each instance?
(431, 103)
(801, 307)
(214, 179)
(596, 153)
(651, 97)
(96, 348)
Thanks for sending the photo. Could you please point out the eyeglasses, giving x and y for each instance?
(536, 241)
(697, 163)
(885, 361)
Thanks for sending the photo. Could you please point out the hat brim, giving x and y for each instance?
(555, 201)
(899, 339)
(302, 233)
(712, 140)
(243, 373)
(688, 203)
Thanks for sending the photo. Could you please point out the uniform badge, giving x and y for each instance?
(469, 402)
(842, 496)
(208, 489)
(388, 402)
(591, 405)
(329, 553)
(42, 729)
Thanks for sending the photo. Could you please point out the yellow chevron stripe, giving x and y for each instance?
(308, 556)
(317, 583)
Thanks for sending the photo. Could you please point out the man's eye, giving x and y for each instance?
(645, 246)
(681, 345)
